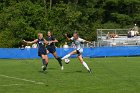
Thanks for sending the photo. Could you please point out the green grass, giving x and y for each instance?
(110, 75)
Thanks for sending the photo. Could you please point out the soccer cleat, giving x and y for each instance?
(89, 71)
(44, 68)
(62, 68)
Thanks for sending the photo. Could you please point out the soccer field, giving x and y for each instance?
(110, 75)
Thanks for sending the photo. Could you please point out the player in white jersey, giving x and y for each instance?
(79, 49)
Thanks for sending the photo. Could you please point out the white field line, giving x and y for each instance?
(11, 85)
(22, 79)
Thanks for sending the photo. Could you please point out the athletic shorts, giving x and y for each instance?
(51, 49)
(79, 51)
(42, 52)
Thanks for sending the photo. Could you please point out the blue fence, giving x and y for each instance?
(15, 53)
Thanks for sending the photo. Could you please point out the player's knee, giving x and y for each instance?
(46, 60)
(70, 54)
(43, 57)
(81, 61)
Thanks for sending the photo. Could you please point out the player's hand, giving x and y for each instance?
(90, 42)
(46, 42)
(50, 42)
(66, 35)
(23, 40)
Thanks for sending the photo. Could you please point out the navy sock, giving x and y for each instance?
(60, 61)
(46, 64)
(43, 62)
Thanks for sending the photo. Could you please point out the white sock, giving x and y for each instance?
(85, 65)
(68, 55)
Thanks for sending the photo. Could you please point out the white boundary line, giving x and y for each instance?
(31, 81)
(11, 85)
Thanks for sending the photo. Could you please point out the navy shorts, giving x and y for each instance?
(51, 49)
(42, 52)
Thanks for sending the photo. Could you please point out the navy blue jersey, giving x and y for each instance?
(41, 44)
(41, 47)
(51, 38)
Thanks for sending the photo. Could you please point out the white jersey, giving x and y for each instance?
(78, 43)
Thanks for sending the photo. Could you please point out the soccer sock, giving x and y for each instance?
(60, 61)
(43, 62)
(68, 55)
(46, 64)
(85, 65)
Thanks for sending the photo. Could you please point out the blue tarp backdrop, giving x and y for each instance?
(14, 53)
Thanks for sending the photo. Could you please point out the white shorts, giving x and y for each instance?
(79, 51)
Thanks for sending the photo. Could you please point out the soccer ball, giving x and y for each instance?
(67, 61)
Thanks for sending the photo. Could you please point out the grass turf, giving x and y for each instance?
(110, 75)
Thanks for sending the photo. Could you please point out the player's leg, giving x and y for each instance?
(52, 50)
(44, 61)
(57, 58)
(68, 55)
(83, 62)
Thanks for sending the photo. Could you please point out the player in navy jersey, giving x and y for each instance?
(51, 47)
(41, 42)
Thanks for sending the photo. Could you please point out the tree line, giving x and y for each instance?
(23, 19)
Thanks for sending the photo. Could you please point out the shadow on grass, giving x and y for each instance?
(78, 71)
(51, 68)
(43, 72)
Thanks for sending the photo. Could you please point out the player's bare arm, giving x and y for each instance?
(88, 42)
(46, 42)
(31, 42)
(53, 41)
(67, 37)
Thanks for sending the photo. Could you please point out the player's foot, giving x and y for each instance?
(62, 68)
(89, 71)
(44, 68)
